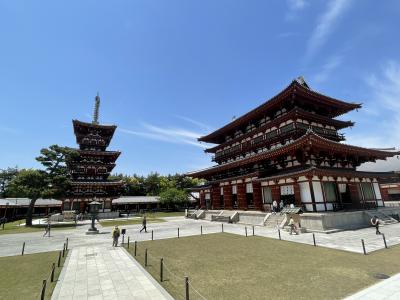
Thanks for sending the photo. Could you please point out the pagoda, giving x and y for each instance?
(289, 149)
(90, 170)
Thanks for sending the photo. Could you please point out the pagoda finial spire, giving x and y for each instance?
(96, 109)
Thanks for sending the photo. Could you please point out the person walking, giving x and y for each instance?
(47, 229)
(292, 226)
(274, 207)
(375, 222)
(144, 223)
(115, 236)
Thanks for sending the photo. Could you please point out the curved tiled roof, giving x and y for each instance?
(293, 88)
(309, 138)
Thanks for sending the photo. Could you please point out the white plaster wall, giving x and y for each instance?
(305, 194)
(318, 196)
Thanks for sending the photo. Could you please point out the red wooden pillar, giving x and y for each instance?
(215, 197)
(241, 196)
(228, 196)
(297, 196)
(257, 195)
(276, 193)
(355, 194)
(384, 194)
(202, 200)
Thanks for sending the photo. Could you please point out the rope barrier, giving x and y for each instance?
(196, 291)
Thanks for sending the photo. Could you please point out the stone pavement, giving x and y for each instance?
(11, 244)
(388, 289)
(105, 272)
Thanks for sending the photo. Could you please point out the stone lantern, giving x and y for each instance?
(94, 207)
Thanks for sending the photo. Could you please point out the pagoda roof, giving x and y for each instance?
(315, 171)
(114, 154)
(101, 183)
(296, 87)
(296, 112)
(93, 125)
(310, 139)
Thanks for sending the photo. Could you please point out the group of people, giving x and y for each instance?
(116, 232)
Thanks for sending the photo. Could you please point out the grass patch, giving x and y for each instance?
(125, 222)
(161, 214)
(15, 227)
(21, 277)
(227, 266)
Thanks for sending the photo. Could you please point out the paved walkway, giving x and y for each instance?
(11, 244)
(388, 289)
(103, 272)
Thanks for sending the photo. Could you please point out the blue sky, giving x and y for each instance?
(169, 71)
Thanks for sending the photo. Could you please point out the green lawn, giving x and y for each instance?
(155, 217)
(21, 277)
(13, 227)
(161, 214)
(122, 222)
(227, 266)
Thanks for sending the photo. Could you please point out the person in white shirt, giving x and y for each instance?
(274, 206)
(292, 226)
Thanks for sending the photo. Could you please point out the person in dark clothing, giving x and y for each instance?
(375, 222)
(144, 223)
(47, 229)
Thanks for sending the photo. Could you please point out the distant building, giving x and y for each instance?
(289, 149)
(90, 170)
(136, 203)
(15, 208)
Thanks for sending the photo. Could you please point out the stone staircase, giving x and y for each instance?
(197, 214)
(385, 219)
(274, 220)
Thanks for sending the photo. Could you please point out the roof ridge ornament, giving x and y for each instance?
(96, 109)
(300, 80)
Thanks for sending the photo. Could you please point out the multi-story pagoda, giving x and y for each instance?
(289, 149)
(90, 170)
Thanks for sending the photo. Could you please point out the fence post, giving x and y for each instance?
(187, 288)
(313, 236)
(66, 245)
(23, 248)
(384, 240)
(363, 245)
(222, 227)
(59, 259)
(279, 233)
(161, 269)
(63, 251)
(152, 235)
(145, 258)
(245, 229)
(135, 247)
(253, 230)
(201, 230)
(178, 232)
(43, 290)
(52, 272)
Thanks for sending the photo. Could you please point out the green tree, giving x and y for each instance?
(53, 182)
(6, 176)
(172, 197)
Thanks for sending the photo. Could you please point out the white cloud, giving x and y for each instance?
(195, 122)
(326, 70)
(294, 6)
(326, 21)
(168, 135)
(385, 90)
(9, 130)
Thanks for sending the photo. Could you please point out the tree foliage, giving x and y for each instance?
(6, 176)
(173, 197)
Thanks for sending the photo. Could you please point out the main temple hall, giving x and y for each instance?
(290, 149)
